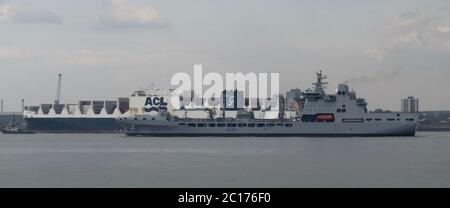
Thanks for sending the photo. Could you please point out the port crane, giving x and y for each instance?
(58, 90)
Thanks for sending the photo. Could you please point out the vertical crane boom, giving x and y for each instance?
(58, 90)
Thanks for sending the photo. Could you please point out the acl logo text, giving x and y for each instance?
(155, 104)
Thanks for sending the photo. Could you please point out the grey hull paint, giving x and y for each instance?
(263, 135)
(166, 129)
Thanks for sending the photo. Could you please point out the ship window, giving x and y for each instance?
(242, 125)
(261, 125)
(144, 119)
(391, 119)
(153, 118)
(182, 124)
(279, 124)
(191, 125)
(212, 125)
(344, 110)
(369, 119)
(135, 118)
(343, 106)
(288, 125)
(398, 114)
(343, 92)
(410, 119)
(201, 125)
(231, 125)
(251, 125)
(270, 125)
(378, 119)
(338, 110)
(220, 125)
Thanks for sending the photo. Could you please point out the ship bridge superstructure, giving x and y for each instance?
(343, 103)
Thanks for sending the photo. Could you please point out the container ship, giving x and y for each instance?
(86, 116)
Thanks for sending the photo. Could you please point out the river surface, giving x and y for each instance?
(114, 160)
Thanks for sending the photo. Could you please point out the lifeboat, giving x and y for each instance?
(325, 118)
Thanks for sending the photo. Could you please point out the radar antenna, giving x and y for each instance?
(320, 85)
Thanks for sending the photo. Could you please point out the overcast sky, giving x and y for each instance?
(384, 49)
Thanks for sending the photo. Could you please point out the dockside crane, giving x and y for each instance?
(58, 90)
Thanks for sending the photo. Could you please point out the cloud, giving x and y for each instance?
(72, 57)
(10, 52)
(416, 37)
(412, 37)
(5, 10)
(374, 52)
(122, 14)
(24, 15)
(410, 20)
(410, 44)
(89, 57)
(443, 28)
(36, 16)
(422, 25)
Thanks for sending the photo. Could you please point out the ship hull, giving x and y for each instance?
(280, 129)
(266, 135)
(17, 132)
(73, 125)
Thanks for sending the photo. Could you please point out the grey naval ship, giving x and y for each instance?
(320, 114)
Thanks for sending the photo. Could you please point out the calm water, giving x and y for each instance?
(105, 160)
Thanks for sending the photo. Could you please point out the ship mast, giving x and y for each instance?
(320, 85)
